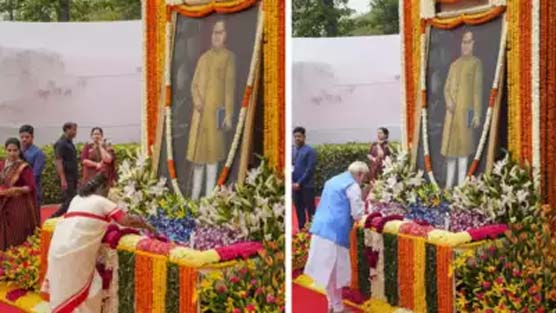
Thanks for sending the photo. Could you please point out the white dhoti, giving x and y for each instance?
(329, 265)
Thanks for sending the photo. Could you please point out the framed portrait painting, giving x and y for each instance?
(213, 64)
(461, 100)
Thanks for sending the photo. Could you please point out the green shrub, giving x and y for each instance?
(51, 192)
(333, 159)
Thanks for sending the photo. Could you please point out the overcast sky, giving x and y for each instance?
(360, 6)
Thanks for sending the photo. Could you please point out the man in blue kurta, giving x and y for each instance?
(341, 204)
(304, 162)
(33, 155)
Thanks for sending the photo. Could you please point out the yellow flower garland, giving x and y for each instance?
(193, 258)
(159, 284)
(514, 96)
(419, 287)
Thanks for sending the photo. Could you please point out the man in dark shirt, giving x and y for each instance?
(67, 166)
(304, 161)
(34, 156)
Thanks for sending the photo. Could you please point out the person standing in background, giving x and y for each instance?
(377, 153)
(18, 201)
(98, 156)
(67, 166)
(304, 163)
(34, 156)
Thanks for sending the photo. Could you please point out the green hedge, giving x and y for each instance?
(51, 192)
(333, 159)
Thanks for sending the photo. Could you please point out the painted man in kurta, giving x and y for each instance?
(213, 91)
(463, 96)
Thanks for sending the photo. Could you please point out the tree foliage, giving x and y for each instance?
(319, 18)
(331, 18)
(383, 19)
(70, 10)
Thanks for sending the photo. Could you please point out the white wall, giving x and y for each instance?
(345, 88)
(89, 73)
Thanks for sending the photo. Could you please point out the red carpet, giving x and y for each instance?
(47, 211)
(4, 308)
(295, 224)
(306, 300)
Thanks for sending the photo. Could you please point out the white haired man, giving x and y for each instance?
(341, 204)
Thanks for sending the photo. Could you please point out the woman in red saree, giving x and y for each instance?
(98, 157)
(377, 153)
(72, 282)
(19, 215)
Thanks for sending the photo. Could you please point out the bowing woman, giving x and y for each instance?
(72, 282)
(19, 215)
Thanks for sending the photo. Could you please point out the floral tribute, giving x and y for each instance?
(21, 264)
(254, 285)
(300, 248)
(504, 195)
(137, 190)
(256, 208)
(515, 274)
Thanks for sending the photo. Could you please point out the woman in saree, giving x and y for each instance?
(72, 282)
(377, 153)
(98, 156)
(19, 215)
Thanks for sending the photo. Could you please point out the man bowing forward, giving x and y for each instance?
(341, 204)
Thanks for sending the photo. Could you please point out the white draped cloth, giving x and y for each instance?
(72, 282)
(326, 257)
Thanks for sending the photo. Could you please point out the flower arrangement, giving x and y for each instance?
(174, 206)
(20, 264)
(506, 194)
(398, 182)
(300, 248)
(254, 285)
(177, 229)
(516, 273)
(137, 190)
(256, 208)
(208, 237)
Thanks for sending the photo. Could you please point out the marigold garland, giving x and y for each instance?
(417, 41)
(213, 7)
(514, 80)
(188, 289)
(469, 19)
(353, 258)
(444, 279)
(419, 263)
(548, 100)
(408, 70)
(159, 283)
(525, 83)
(274, 80)
(406, 271)
(46, 237)
(143, 283)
